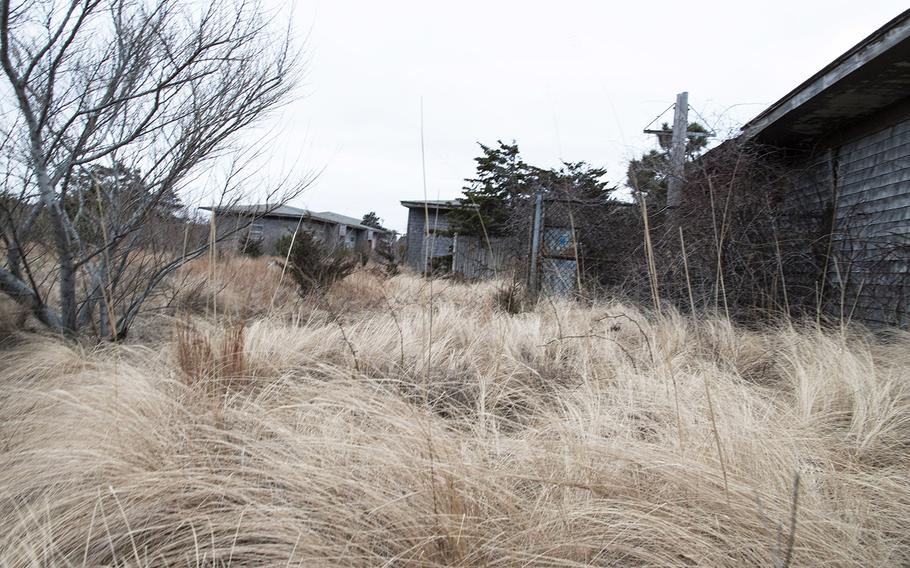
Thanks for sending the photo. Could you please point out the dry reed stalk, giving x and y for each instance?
(649, 251)
(213, 258)
(835, 207)
(716, 434)
(397, 328)
(685, 257)
(718, 277)
(186, 240)
(428, 257)
(575, 252)
(106, 293)
(780, 269)
(486, 236)
(284, 265)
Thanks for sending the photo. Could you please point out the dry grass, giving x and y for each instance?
(12, 318)
(242, 287)
(562, 436)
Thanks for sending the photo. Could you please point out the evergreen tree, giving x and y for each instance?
(577, 180)
(385, 243)
(371, 219)
(503, 179)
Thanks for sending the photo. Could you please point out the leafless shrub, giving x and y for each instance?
(735, 246)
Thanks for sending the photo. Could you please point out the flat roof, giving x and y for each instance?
(432, 203)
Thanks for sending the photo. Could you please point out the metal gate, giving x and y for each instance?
(554, 249)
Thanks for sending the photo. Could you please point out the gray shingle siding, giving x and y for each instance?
(421, 246)
(864, 186)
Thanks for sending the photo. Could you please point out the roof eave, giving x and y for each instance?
(308, 215)
(885, 38)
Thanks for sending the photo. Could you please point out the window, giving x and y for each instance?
(256, 230)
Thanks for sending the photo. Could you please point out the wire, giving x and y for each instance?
(711, 134)
(656, 118)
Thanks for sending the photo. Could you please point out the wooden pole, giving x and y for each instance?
(535, 243)
(678, 150)
(454, 251)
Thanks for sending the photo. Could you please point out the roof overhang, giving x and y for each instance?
(871, 76)
(257, 211)
(441, 204)
(287, 212)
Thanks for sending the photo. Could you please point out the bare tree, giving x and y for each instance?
(111, 108)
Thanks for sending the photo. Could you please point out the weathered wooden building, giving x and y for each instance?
(267, 223)
(432, 246)
(847, 130)
(428, 235)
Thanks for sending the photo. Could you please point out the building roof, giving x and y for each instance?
(286, 211)
(432, 203)
(872, 75)
(338, 218)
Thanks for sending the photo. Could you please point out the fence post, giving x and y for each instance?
(535, 244)
(454, 251)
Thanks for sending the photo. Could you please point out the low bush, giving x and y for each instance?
(250, 246)
(385, 255)
(313, 265)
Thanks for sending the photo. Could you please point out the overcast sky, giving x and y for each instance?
(567, 80)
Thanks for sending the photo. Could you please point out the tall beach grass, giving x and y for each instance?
(354, 430)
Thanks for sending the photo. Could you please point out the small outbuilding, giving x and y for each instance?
(428, 235)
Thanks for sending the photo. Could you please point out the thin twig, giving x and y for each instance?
(350, 345)
(596, 336)
(640, 330)
(791, 538)
(720, 450)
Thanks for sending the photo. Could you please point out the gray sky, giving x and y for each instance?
(567, 80)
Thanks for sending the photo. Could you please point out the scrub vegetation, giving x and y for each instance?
(401, 421)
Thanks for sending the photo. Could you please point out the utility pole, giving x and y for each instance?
(680, 136)
(678, 150)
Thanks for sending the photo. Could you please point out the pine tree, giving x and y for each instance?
(503, 179)
(504, 182)
(110, 195)
(577, 180)
(371, 219)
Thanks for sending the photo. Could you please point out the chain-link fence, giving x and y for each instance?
(579, 243)
(740, 244)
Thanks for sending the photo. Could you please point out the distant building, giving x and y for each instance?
(267, 223)
(428, 234)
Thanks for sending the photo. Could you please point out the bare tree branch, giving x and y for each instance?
(118, 104)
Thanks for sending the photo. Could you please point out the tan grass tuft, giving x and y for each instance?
(549, 437)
